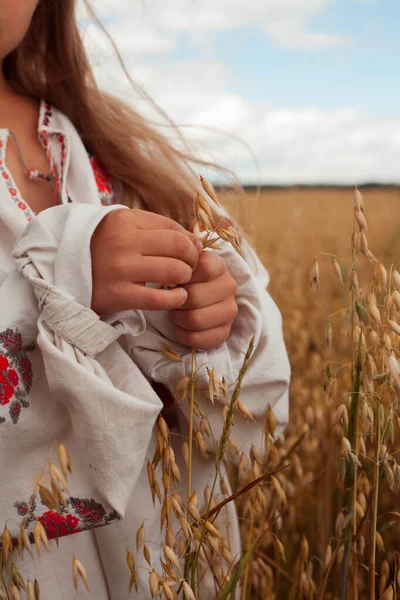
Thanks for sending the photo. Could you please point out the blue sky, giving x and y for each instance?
(311, 85)
(362, 73)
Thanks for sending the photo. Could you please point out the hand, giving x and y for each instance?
(132, 247)
(204, 321)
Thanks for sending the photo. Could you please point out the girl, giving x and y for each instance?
(81, 332)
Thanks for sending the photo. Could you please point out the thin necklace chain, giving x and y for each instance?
(33, 174)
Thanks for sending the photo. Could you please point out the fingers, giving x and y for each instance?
(172, 244)
(169, 271)
(209, 317)
(134, 296)
(209, 267)
(201, 295)
(148, 220)
(203, 340)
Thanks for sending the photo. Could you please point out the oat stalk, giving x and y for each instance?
(375, 502)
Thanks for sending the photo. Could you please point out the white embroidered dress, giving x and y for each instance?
(67, 375)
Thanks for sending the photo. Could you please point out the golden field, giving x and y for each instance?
(288, 228)
(319, 506)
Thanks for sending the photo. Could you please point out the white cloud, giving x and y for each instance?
(286, 22)
(262, 143)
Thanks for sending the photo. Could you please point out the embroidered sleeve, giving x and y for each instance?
(15, 375)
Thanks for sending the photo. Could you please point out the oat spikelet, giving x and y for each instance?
(393, 368)
(140, 537)
(244, 411)
(314, 274)
(209, 189)
(171, 353)
(79, 571)
(205, 427)
(187, 532)
(339, 523)
(381, 275)
(193, 510)
(396, 279)
(17, 579)
(203, 204)
(394, 326)
(30, 594)
(64, 460)
(181, 389)
(201, 443)
(379, 542)
(328, 335)
(177, 505)
(374, 312)
(389, 475)
(212, 529)
(185, 452)
(153, 583)
(361, 220)
(346, 447)
(57, 491)
(389, 594)
(227, 556)
(7, 544)
(337, 269)
(15, 595)
(57, 476)
(328, 555)
(342, 415)
(279, 548)
(36, 589)
(164, 429)
(396, 298)
(358, 200)
(47, 497)
(37, 535)
(171, 556)
(271, 421)
(279, 491)
(146, 554)
(187, 590)
(167, 591)
(131, 561)
(364, 243)
(133, 581)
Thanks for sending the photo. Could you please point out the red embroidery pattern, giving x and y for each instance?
(56, 173)
(79, 514)
(15, 373)
(57, 525)
(11, 186)
(103, 182)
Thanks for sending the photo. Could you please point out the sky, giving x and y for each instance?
(278, 91)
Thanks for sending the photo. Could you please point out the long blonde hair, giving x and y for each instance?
(51, 63)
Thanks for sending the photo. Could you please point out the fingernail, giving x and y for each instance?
(185, 294)
(199, 245)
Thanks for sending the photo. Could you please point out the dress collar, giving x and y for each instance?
(46, 114)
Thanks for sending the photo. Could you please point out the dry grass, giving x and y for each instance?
(289, 227)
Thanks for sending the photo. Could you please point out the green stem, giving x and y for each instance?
(375, 503)
(223, 442)
(349, 479)
(192, 382)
